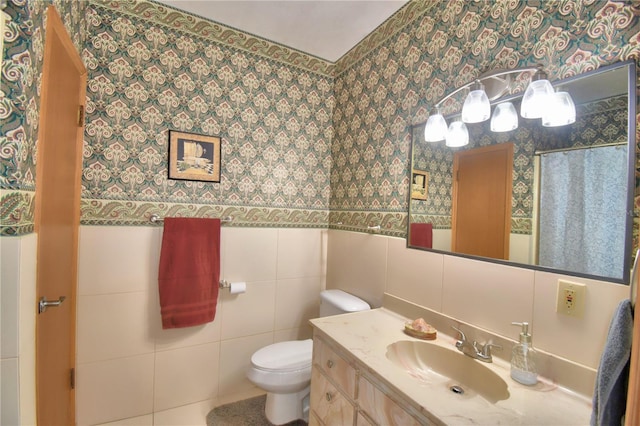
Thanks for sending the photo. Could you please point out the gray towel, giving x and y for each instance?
(610, 393)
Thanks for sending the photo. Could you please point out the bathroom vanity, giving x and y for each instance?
(366, 371)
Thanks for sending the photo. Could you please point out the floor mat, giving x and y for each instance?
(249, 412)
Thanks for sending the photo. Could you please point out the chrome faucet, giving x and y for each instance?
(474, 349)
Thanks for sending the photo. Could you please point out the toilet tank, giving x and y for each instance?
(334, 302)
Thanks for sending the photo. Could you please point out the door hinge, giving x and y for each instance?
(80, 115)
(72, 378)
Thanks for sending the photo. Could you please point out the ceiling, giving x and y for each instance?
(327, 29)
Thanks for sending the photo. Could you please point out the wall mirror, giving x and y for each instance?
(565, 194)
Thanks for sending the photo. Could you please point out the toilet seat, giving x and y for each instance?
(283, 357)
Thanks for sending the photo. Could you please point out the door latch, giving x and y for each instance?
(43, 303)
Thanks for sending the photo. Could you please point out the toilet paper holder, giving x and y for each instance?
(234, 288)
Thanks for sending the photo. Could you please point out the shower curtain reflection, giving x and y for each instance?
(582, 210)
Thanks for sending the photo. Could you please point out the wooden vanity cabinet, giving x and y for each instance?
(333, 387)
(381, 408)
(343, 394)
(330, 405)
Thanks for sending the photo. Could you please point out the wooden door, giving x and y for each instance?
(481, 217)
(57, 218)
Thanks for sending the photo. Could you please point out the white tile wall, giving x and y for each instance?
(249, 313)
(117, 259)
(183, 373)
(487, 295)
(191, 414)
(9, 341)
(103, 336)
(249, 254)
(182, 337)
(132, 421)
(299, 292)
(357, 263)
(129, 368)
(301, 253)
(27, 329)
(9, 389)
(578, 339)
(17, 329)
(9, 296)
(235, 356)
(115, 389)
(414, 275)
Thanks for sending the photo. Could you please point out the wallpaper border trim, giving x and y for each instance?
(16, 212)
(109, 212)
(392, 224)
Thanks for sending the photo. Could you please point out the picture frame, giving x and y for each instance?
(419, 184)
(194, 157)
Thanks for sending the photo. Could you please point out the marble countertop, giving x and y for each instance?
(366, 337)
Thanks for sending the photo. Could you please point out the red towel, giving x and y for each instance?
(421, 235)
(189, 273)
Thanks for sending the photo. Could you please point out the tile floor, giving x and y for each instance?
(249, 412)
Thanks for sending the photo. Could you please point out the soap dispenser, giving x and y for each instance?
(523, 358)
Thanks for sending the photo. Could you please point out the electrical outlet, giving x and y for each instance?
(571, 298)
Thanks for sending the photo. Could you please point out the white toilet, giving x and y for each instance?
(284, 369)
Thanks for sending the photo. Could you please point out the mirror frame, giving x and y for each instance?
(631, 178)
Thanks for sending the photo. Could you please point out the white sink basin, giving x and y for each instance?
(457, 372)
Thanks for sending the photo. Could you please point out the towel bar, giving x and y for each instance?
(374, 228)
(154, 218)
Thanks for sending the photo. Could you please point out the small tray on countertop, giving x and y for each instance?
(424, 335)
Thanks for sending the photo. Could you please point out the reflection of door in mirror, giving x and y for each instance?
(481, 220)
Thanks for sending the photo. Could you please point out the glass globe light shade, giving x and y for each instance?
(504, 118)
(436, 128)
(560, 111)
(536, 99)
(476, 108)
(457, 135)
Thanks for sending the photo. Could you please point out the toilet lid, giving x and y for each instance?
(283, 356)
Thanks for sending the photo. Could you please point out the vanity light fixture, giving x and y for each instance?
(476, 108)
(560, 111)
(539, 100)
(537, 96)
(436, 128)
(504, 118)
(457, 135)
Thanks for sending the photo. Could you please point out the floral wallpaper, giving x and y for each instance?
(394, 85)
(305, 142)
(20, 79)
(597, 123)
(273, 114)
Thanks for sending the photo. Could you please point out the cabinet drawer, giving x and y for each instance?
(313, 419)
(327, 403)
(382, 408)
(363, 421)
(335, 367)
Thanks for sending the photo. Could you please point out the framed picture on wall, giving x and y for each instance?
(194, 157)
(419, 182)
